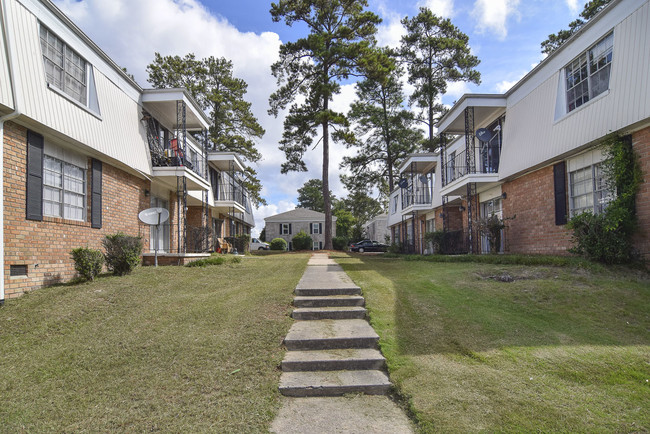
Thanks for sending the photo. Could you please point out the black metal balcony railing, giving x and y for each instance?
(421, 196)
(172, 156)
(486, 160)
(232, 193)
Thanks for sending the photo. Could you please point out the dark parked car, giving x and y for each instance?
(368, 246)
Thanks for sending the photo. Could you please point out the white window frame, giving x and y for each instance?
(60, 183)
(316, 245)
(582, 73)
(315, 228)
(285, 229)
(588, 190)
(59, 59)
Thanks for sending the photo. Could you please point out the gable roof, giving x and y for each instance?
(298, 214)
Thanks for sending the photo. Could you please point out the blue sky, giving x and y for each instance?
(504, 34)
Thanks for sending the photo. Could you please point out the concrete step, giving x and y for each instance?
(333, 360)
(316, 313)
(333, 383)
(331, 300)
(319, 292)
(331, 334)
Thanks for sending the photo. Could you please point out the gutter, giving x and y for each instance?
(16, 113)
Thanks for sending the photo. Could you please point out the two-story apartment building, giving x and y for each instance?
(533, 151)
(85, 149)
(288, 224)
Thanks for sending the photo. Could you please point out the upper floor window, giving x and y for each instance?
(285, 229)
(587, 76)
(64, 68)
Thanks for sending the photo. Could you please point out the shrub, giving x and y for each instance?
(302, 241)
(278, 244)
(213, 260)
(607, 237)
(339, 243)
(87, 262)
(122, 253)
(240, 242)
(395, 248)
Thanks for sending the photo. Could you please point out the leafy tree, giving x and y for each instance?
(384, 132)
(263, 234)
(435, 52)
(363, 208)
(555, 40)
(310, 195)
(345, 222)
(210, 81)
(341, 35)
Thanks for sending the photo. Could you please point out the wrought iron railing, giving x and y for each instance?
(487, 161)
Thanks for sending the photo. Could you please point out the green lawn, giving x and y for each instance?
(169, 349)
(557, 349)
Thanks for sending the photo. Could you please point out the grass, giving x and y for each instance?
(169, 349)
(556, 349)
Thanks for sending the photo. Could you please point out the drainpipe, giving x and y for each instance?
(4, 24)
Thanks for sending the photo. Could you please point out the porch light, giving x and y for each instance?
(504, 195)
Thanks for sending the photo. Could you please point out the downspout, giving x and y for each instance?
(3, 119)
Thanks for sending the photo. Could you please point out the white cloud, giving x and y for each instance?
(442, 8)
(505, 85)
(573, 6)
(492, 16)
(268, 210)
(456, 89)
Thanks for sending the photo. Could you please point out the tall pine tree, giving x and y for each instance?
(341, 34)
(435, 52)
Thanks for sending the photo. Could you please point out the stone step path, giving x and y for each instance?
(331, 348)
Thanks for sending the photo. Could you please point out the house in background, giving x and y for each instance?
(377, 228)
(85, 149)
(533, 152)
(288, 224)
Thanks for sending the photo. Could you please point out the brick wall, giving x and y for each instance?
(44, 246)
(641, 145)
(531, 198)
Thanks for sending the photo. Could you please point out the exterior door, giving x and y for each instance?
(162, 235)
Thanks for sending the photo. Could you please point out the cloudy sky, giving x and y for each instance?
(504, 34)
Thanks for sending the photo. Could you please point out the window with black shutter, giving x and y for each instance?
(34, 176)
(96, 197)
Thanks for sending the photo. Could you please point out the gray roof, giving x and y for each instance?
(298, 214)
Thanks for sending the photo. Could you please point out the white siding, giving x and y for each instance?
(5, 85)
(532, 135)
(117, 133)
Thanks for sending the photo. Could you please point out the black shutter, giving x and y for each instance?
(320, 228)
(281, 233)
(311, 228)
(320, 245)
(290, 229)
(34, 176)
(96, 195)
(559, 185)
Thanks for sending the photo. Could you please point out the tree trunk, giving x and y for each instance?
(327, 203)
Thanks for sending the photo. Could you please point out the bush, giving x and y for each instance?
(87, 262)
(278, 244)
(339, 243)
(213, 260)
(122, 253)
(239, 243)
(302, 241)
(597, 239)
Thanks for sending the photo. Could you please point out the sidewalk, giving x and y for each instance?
(334, 377)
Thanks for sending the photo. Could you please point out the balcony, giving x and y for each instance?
(175, 128)
(417, 175)
(228, 190)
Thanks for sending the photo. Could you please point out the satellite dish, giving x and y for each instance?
(424, 179)
(484, 135)
(153, 216)
(403, 183)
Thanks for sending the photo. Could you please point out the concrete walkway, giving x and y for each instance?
(332, 352)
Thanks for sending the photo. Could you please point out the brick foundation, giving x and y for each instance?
(44, 246)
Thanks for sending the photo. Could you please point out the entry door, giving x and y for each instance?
(488, 208)
(163, 232)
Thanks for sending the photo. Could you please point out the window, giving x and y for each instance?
(64, 68)
(285, 229)
(315, 228)
(316, 245)
(431, 225)
(395, 204)
(64, 189)
(588, 190)
(587, 76)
